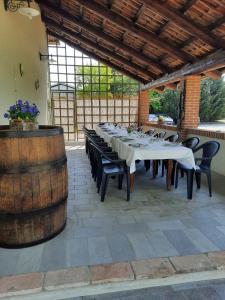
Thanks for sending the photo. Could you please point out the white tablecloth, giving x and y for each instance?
(149, 149)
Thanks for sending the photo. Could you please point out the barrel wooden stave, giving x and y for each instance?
(33, 188)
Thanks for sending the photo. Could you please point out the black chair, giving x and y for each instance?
(160, 135)
(209, 150)
(150, 132)
(191, 143)
(115, 167)
(173, 139)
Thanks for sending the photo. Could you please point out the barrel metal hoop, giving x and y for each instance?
(7, 216)
(44, 131)
(33, 169)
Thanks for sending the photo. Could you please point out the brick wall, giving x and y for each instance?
(143, 109)
(191, 102)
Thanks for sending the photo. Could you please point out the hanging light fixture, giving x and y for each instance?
(20, 6)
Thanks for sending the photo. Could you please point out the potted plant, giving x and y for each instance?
(160, 120)
(22, 116)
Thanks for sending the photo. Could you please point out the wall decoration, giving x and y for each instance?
(37, 84)
(21, 67)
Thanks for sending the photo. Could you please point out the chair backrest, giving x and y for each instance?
(192, 142)
(172, 138)
(209, 150)
(150, 132)
(162, 134)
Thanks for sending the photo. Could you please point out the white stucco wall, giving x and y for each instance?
(21, 39)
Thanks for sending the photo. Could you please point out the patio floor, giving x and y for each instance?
(155, 223)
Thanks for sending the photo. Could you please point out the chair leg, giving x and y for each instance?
(182, 173)
(128, 186)
(120, 182)
(99, 181)
(190, 175)
(198, 179)
(176, 177)
(173, 173)
(147, 165)
(105, 181)
(209, 183)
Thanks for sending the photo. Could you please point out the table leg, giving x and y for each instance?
(132, 182)
(169, 173)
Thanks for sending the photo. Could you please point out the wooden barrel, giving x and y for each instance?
(33, 185)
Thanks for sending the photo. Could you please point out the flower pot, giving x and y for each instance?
(30, 125)
(16, 124)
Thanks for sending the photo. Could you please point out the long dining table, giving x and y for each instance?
(139, 146)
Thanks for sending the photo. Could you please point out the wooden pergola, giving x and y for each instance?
(159, 43)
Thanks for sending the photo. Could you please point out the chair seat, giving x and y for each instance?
(201, 168)
(113, 169)
(106, 161)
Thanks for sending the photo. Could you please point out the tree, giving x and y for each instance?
(101, 82)
(212, 101)
(212, 105)
(166, 102)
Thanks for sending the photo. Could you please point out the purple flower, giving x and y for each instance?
(20, 102)
(27, 104)
(24, 110)
(12, 108)
(6, 115)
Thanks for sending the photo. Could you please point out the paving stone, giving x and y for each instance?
(201, 294)
(21, 284)
(152, 268)
(218, 258)
(111, 273)
(192, 263)
(73, 277)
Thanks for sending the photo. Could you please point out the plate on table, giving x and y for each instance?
(125, 139)
(138, 145)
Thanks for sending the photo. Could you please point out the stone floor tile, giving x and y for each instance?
(111, 273)
(161, 244)
(200, 240)
(73, 277)
(99, 251)
(180, 242)
(120, 247)
(20, 284)
(141, 245)
(152, 268)
(192, 263)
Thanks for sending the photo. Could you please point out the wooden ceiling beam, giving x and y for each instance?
(185, 23)
(136, 68)
(139, 32)
(95, 56)
(217, 23)
(139, 13)
(188, 5)
(100, 34)
(210, 63)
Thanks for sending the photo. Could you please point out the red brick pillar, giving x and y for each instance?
(143, 108)
(191, 104)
